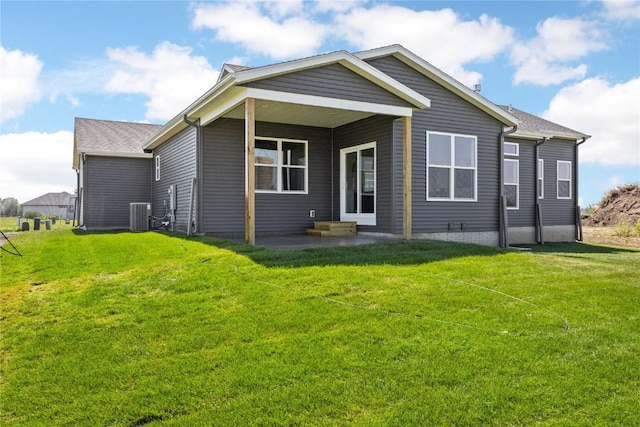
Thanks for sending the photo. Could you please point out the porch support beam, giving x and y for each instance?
(250, 172)
(406, 178)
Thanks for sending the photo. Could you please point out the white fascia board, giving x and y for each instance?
(548, 135)
(321, 101)
(345, 59)
(224, 103)
(177, 124)
(422, 66)
(118, 154)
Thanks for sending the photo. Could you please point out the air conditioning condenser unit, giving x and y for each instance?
(139, 214)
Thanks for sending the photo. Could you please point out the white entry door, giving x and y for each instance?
(358, 184)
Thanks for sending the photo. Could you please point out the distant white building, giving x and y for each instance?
(61, 205)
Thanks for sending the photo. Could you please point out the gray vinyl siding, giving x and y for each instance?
(276, 213)
(110, 185)
(450, 114)
(380, 130)
(525, 215)
(333, 81)
(177, 167)
(557, 211)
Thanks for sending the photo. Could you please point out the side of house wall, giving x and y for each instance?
(558, 215)
(224, 181)
(177, 168)
(110, 185)
(448, 114)
(333, 81)
(525, 215)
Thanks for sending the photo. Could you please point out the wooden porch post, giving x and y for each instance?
(406, 178)
(250, 189)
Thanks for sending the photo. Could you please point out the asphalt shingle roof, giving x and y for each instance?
(537, 125)
(112, 136)
(50, 199)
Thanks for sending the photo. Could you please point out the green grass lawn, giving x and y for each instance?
(132, 329)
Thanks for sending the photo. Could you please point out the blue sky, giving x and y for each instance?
(576, 63)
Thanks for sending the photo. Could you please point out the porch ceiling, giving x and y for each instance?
(297, 114)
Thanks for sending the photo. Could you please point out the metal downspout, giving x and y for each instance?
(199, 173)
(76, 210)
(538, 213)
(502, 205)
(578, 213)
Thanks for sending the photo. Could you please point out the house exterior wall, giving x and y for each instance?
(525, 215)
(178, 168)
(276, 213)
(380, 130)
(47, 210)
(110, 185)
(558, 215)
(448, 114)
(558, 211)
(333, 81)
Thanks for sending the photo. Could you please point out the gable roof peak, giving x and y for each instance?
(422, 66)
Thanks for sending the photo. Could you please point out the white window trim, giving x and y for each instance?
(512, 144)
(558, 179)
(452, 169)
(516, 183)
(158, 168)
(540, 178)
(280, 165)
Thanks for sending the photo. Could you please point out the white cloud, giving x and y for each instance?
(18, 83)
(621, 10)
(264, 28)
(441, 37)
(35, 163)
(545, 59)
(609, 113)
(170, 76)
(336, 5)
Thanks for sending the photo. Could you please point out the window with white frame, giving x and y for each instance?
(511, 149)
(281, 165)
(451, 167)
(157, 168)
(512, 183)
(512, 175)
(564, 179)
(540, 179)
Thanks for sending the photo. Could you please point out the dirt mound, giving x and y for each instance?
(619, 206)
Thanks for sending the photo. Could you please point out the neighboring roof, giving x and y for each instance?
(231, 68)
(102, 137)
(535, 127)
(440, 77)
(228, 93)
(50, 199)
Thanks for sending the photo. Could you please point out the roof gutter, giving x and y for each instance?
(502, 203)
(176, 124)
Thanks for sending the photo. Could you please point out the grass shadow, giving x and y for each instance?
(393, 253)
(579, 248)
